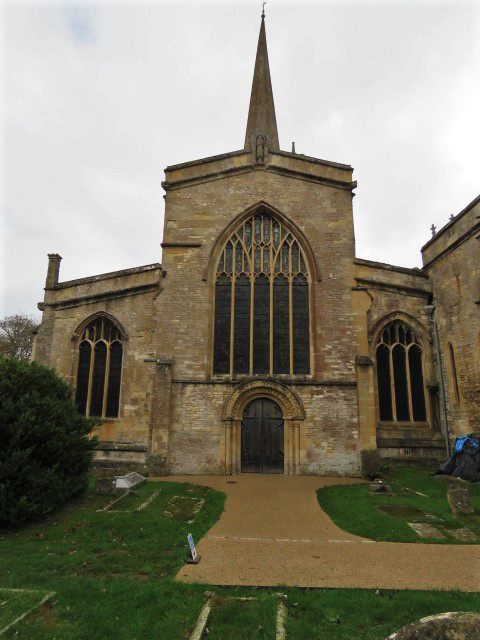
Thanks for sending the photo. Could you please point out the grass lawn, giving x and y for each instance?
(14, 603)
(113, 574)
(356, 510)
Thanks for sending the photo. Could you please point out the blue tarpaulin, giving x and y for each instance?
(460, 441)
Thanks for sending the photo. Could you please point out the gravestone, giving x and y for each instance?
(425, 530)
(464, 533)
(459, 500)
(454, 625)
(379, 486)
(105, 485)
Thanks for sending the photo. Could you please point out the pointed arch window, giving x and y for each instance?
(401, 392)
(262, 293)
(99, 369)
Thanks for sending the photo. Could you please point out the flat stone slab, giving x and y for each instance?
(459, 500)
(425, 530)
(464, 533)
(454, 625)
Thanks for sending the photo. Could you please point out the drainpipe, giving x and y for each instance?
(430, 310)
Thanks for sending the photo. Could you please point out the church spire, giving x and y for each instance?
(261, 114)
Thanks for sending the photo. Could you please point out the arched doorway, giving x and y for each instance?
(262, 439)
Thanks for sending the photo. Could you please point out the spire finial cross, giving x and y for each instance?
(263, 8)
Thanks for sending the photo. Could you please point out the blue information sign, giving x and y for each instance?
(191, 544)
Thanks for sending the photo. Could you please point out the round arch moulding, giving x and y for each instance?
(260, 207)
(287, 399)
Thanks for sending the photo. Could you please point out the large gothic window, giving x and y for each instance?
(261, 302)
(401, 394)
(99, 369)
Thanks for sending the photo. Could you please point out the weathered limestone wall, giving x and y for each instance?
(196, 215)
(329, 443)
(129, 297)
(452, 261)
(394, 293)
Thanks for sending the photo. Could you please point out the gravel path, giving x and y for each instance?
(273, 532)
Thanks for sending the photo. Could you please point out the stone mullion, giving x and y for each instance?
(232, 317)
(252, 311)
(290, 308)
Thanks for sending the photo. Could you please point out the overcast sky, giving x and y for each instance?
(99, 98)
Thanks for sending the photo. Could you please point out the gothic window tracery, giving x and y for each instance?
(261, 301)
(100, 354)
(401, 393)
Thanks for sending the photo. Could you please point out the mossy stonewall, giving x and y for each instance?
(45, 452)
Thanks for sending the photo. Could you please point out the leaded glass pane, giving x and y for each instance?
(269, 255)
(257, 260)
(285, 250)
(83, 374)
(301, 342)
(221, 352)
(276, 234)
(228, 258)
(98, 379)
(400, 382)
(261, 326)
(114, 376)
(241, 314)
(238, 258)
(248, 234)
(281, 342)
(295, 258)
(303, 268)
(384, 386)
(266, 260)
(258, 229)
(416, 383)
(266, 229)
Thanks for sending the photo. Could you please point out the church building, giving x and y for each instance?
(262, 343)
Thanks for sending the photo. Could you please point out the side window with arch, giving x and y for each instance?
(262, 291)
(401, 392)
(100, 354)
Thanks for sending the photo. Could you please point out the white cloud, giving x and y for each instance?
(101, 97)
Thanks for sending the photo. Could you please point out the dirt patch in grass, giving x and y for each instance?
(403, 512)
(183, 508)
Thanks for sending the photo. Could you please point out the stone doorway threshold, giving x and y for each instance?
(273, 532)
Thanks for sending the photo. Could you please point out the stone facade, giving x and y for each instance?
(176, 415)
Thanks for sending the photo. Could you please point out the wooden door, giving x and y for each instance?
(262, 437)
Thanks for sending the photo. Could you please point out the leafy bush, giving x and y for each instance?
(373, 465)
(45, 453)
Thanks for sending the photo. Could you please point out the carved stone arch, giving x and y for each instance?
(418, 327)
(293, 415)
(91, 318)
(222, 238)
(287, 399)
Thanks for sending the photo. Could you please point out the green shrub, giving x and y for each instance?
(45, 453)
(373, 465)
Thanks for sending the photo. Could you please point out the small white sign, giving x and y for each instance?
(191, 544)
